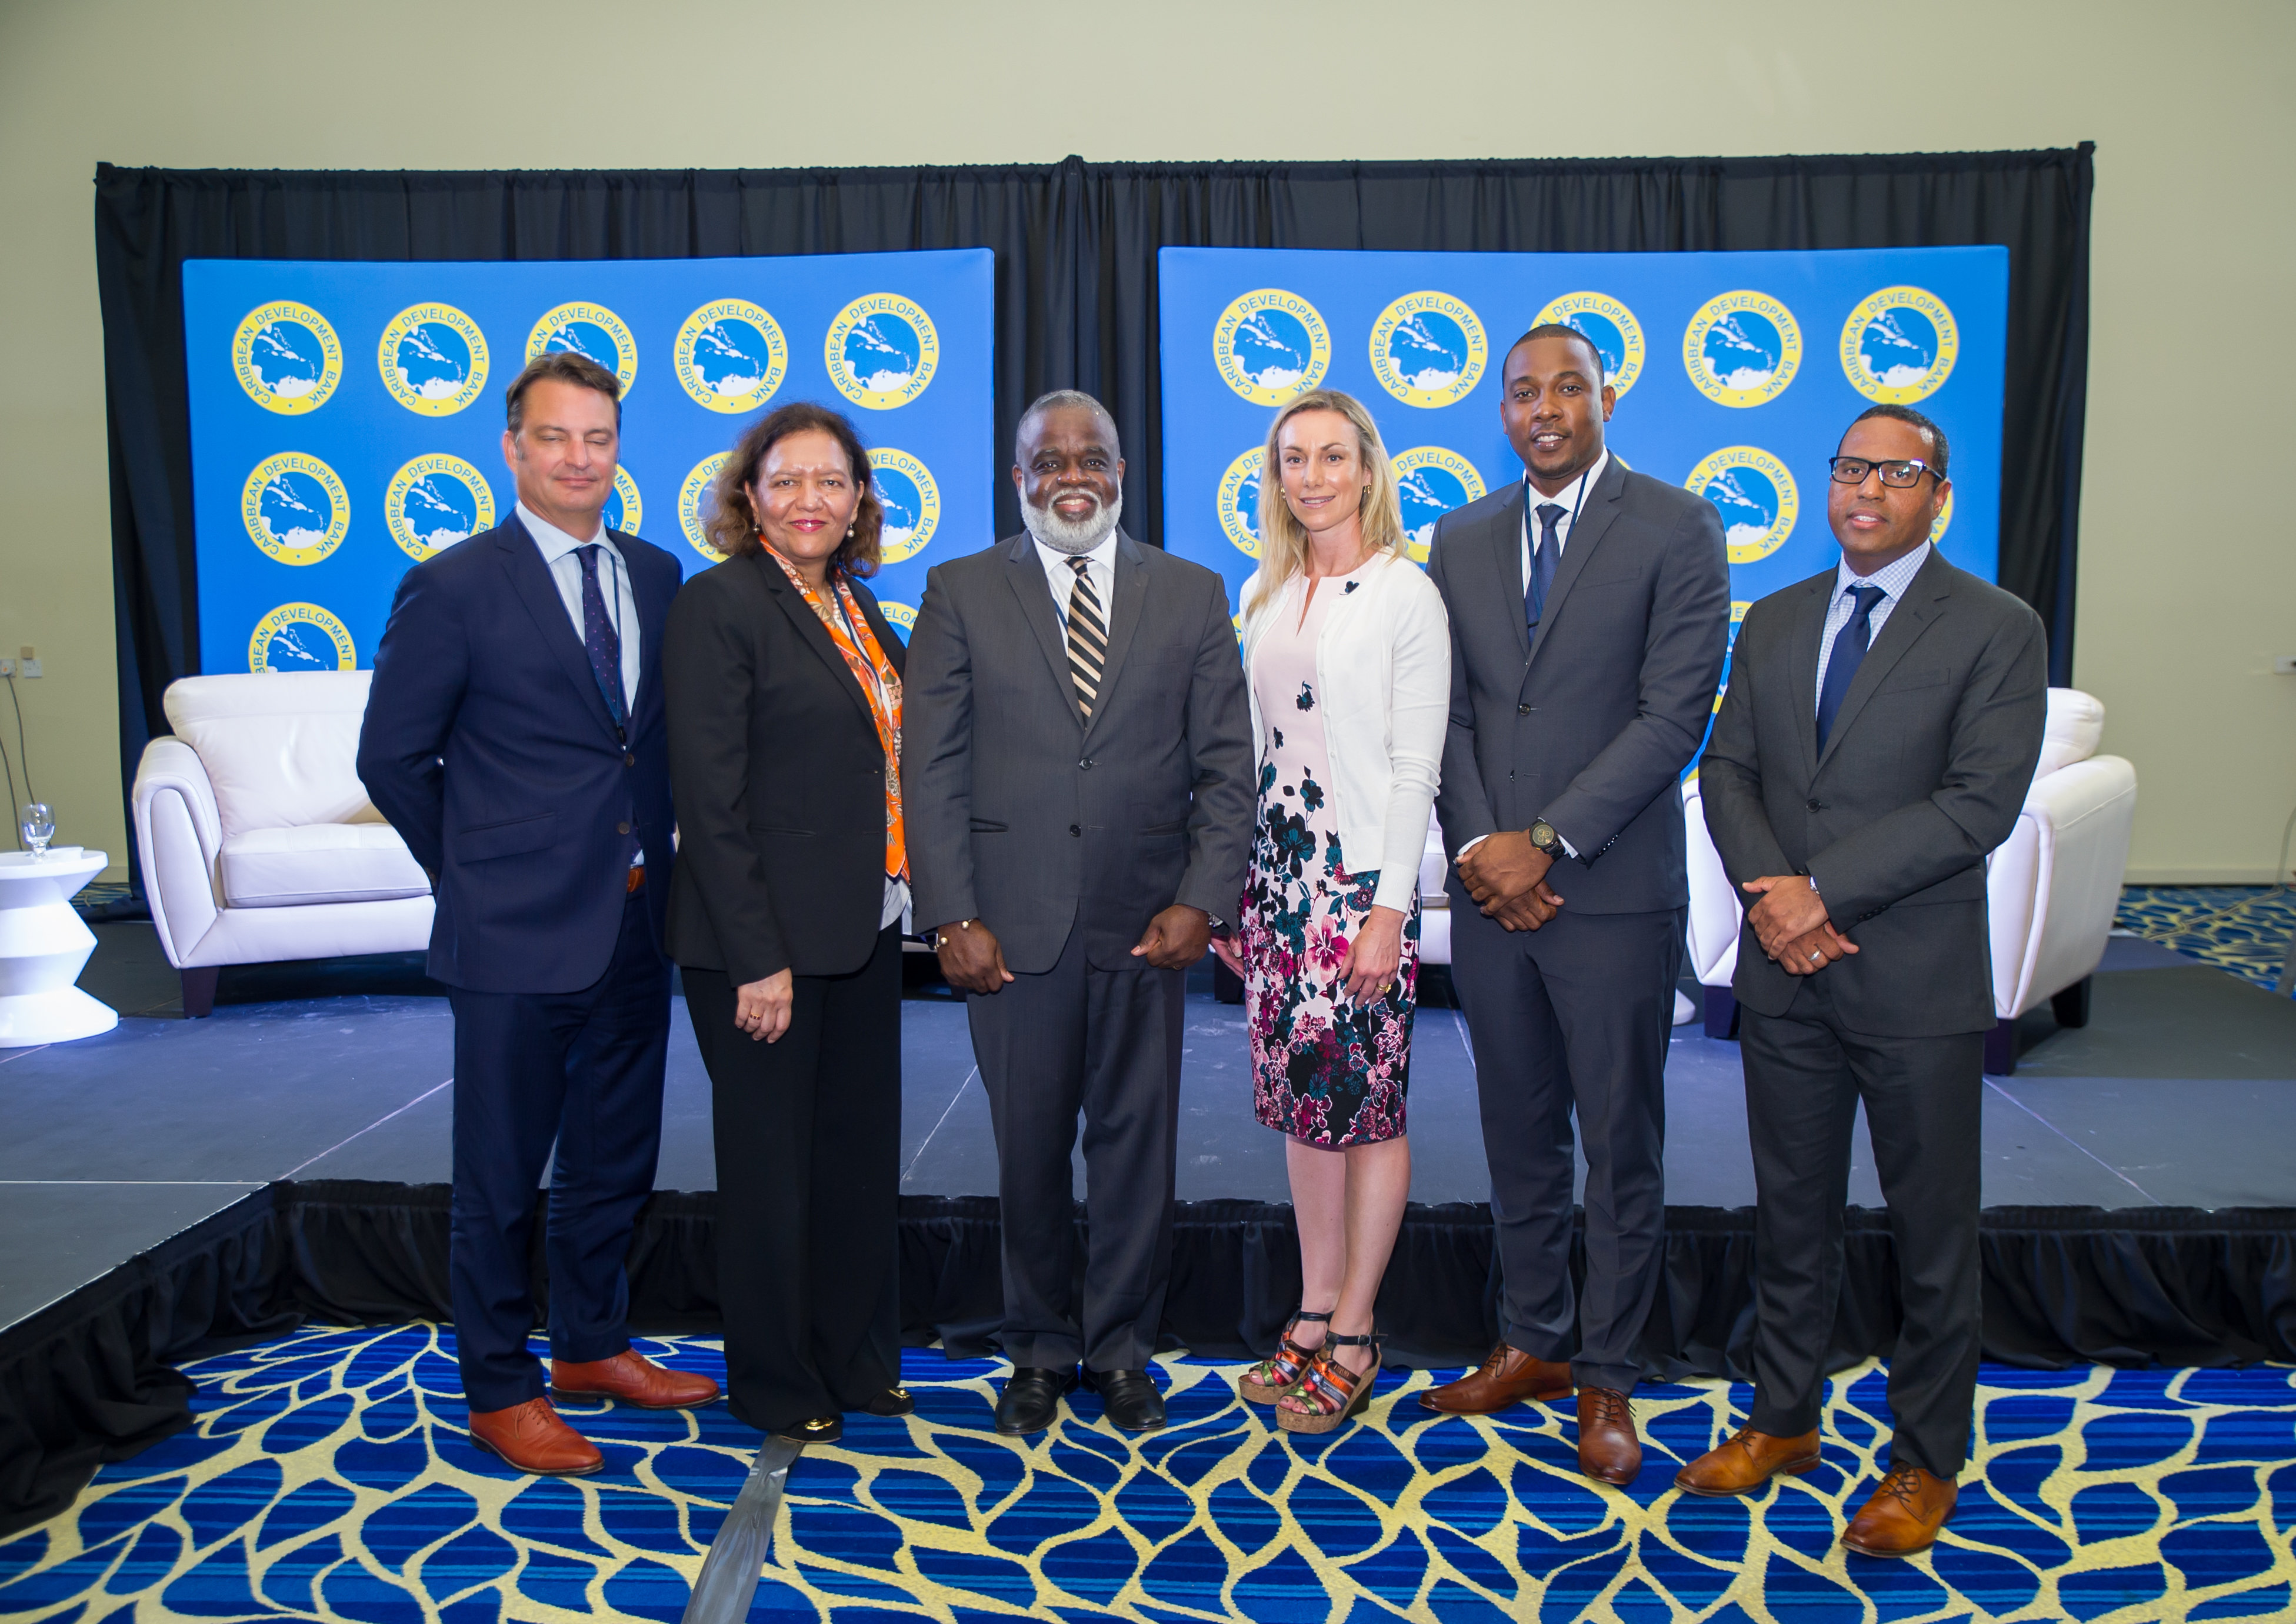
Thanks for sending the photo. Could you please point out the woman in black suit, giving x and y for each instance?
(784, 697)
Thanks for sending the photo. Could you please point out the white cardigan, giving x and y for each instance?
(1383, 681)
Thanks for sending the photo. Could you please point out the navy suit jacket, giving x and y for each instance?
(490, 748)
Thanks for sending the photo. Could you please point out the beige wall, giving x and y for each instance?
(2187, 580)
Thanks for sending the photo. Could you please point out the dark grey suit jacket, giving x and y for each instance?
(1591, 726)
(1922, 775)
(1021, 816)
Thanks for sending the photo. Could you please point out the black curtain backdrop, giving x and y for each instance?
(1076, 247)
(91, 1379)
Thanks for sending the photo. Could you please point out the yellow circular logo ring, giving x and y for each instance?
(295, 508)
(433, 359)
(1429, 350)
(1741, 348)
(300, 637)
(1755, 494)
(731, 356)
(287, 357)
(1270, 345)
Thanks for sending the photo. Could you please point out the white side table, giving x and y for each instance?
(42, 946)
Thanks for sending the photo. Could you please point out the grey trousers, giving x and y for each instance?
(1573, 1016)
(1805, 1074)
(1104, 1044)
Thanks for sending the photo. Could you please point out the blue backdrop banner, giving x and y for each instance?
(346, 417)
(1737, 375)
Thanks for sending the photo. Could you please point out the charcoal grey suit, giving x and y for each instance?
(1923, 775)
(1589, 726)
(1065, 839)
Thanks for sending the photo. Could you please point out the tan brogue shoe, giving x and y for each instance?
(1610, 1451)
(632, 1378)
(531, 1437)
(1509, 1376)
(1747, 1462)
(1903, 1517)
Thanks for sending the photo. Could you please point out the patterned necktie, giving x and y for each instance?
(1848, 654)
(1087, 637)
(599, 640)
(1543, 563)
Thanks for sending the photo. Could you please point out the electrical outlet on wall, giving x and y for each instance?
(7, 668)
(28, 662)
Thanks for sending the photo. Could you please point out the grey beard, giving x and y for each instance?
(1065, 535)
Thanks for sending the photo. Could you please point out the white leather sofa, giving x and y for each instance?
(2052, 887)
(257, 840)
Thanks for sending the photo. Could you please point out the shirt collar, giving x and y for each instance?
(556, 544)
(1105, 553)
(1572, 496)
(1891, 578)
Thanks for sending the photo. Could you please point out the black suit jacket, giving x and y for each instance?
(490, 748)
(1922, 775)
(1590, 726)
(780, 779)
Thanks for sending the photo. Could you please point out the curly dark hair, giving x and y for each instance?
(732, 526)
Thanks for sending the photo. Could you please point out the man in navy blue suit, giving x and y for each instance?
(514, 737)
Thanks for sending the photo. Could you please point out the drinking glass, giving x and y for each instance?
(39, 822)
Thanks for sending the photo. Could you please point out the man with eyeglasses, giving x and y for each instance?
(1879, 734)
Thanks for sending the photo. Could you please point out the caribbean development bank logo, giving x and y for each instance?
(1427, 349)
(882, 351)
(693, 501)
(908, 492)
(433, 359)
(295, 508)
(1609, 326)
(1899, 344)
(731, 356)
(1741, 348)
(287, 357)
(1431, 481)
(901, 617)
(1270, 345)
(623, 511)
(590, 330)
(434, 502)
(1239, 501)
(300, 637)
(1755, 496)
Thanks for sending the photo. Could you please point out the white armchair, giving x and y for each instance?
(2051, 888)
(256, 839)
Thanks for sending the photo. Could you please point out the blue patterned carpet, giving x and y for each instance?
(2243, 929)
(328, 1477)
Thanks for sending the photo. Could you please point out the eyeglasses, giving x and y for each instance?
(1853, 469)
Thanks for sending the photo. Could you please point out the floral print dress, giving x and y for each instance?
(1324, 1069)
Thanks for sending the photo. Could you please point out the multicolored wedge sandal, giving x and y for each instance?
(1272, 1378)
(1335, 1394)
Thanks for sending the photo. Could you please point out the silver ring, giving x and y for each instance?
(1815, 955)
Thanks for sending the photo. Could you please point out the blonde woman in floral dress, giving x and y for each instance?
(1349, 654)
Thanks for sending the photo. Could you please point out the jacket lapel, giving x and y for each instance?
(654, 613)
(810, 629)
(1026, 573)
(1131, 591)
(1923, 603)
(531, 579)
(1506, 543)
(1809, 629)
(897, 652)
(1596, 513)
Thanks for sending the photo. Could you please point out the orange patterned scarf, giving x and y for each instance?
(880, 684)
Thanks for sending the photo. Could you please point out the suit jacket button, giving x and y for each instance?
(1084, 766)
(629, 759)
(1522, 709)
(1075, 830)
(1816, 806)
(622, 828)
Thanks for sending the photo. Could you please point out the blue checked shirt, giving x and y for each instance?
(1891, 578)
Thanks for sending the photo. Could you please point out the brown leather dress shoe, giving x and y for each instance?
(1509, 1376)
(1903, 1517)
(1747, 1462)
(634, 1379)
(1610, 1451)
(531, 1437)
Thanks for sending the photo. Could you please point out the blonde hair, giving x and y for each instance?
(1283, 538)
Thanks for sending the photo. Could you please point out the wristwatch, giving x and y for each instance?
(1542, 835)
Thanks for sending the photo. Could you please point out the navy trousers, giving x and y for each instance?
(581, 1071)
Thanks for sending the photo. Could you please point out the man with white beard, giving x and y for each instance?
(1076, 773)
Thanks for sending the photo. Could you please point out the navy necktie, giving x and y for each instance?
(599, 640)
(1543, 563)
(1848, 654)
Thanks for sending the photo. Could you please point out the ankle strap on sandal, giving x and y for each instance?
(1310, 1314)
(1334, 1339)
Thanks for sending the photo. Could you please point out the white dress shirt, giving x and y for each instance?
(558, 549)
(1891, 578)
(1061, 576)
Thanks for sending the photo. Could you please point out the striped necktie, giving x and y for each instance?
(1087, 637)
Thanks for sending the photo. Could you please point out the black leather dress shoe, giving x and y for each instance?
(1031, 1399)
(1129, 1396)
(895, 1400)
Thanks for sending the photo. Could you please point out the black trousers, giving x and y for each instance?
(582, 1071)
(1105, 1043)
(1575, 1015)
(807, 1131)
(1805, 1074)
